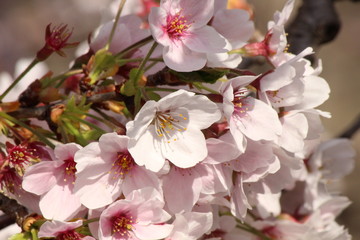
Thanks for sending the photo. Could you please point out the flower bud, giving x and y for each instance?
(55, 40)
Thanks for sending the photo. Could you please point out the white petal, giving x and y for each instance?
(180, 58)
(259, 122)
(187, 150)
(143, 118)
(198, 41)
(146, 151)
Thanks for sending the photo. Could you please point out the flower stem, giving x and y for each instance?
(161, 89)
(34, 234)
(246, 227)
(90, 221)
(138, 74)
(145, 60)
(201, 86)
(17, 80)
(20, 123)
(121, 6)
(138, 44)
(61, 77)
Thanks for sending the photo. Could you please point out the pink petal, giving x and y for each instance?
(60, 203)
(140, 178)
(181, 189)
(180, 58)
(66, 151)
(198, 41)
(40, 178)
(152, 231)
(134, 129)
(188, 149)
(295, 128)
(121, 38)
(157, 19)
(316, 92)
(197, 12)
(89, 164)
(234, 25)
(53, 228)
(202, 112)
(259, 122)
(146, 152)
(112, 143)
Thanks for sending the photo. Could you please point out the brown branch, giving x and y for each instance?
(13, 210)
(352, 129)
(42, 111)
(6, 220)
(316, 23)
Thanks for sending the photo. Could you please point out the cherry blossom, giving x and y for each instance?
(159, 133)
(54, 182)
(106, 170)
(180, 26)
(248, 117)
(169, 129)
(139, 216)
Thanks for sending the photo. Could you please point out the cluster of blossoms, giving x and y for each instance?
(213, 153)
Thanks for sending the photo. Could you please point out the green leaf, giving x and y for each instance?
(208, 75)
(104, 65)
(131, 85)
(74, 108)
(21, 236)
(153, 96)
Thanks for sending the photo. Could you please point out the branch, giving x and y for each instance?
(316, 23)
(13, 210)
(350, 131)
(42, 111)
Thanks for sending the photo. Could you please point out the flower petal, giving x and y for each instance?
(198, 40)
(180, 58)
(146, 152)
(187, 150)
(40, 178)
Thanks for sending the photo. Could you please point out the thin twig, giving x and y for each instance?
(352, 129)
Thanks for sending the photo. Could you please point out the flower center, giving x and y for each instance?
(176, 26)
(57, 37)
(122, 224)
(274, 96)
(242, 99)
(20, 157)
(167, 124)
(69, 235)
(70, 170)
(122, 165)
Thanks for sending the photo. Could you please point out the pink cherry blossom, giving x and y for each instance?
(171, 129)
(139, 216)
(180, 26)
(273, 47)
(236, 27)
(54, 182)
(248, 117)
(106, 170)
(333, 158)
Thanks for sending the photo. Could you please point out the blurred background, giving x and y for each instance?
(22, 25)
